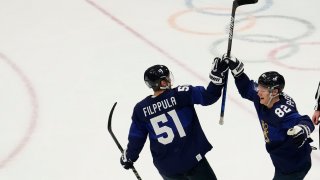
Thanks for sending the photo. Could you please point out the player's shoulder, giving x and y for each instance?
(142, 102)
(287, 100)
(285, 107)
(183, 88)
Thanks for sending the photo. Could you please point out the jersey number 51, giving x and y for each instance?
(166, 129)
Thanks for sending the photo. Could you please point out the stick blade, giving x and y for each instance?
(243, 2)
(110, 117)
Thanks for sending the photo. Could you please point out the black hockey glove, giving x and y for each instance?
(300, 134)
(235, 65)
(218, 71)
(125, 162)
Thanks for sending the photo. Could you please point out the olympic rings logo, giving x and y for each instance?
(195, 10)
(191, 5)
(173, 22)
(273, 53)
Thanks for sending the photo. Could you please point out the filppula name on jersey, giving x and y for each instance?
(159, 106)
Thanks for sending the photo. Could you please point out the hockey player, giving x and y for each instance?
(177, 142)
(316, 114)
(286, 132)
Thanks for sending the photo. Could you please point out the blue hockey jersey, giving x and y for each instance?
(275, 122)
(177, 141)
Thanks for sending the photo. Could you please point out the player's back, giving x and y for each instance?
(177, 141)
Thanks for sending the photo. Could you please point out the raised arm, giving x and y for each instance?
(245, 86)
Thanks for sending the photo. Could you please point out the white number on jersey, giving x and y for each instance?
(282, 110)
(165, 129)
(183, 88)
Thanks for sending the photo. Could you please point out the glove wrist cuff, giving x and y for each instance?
(216, 79)
(305, 128)
(237, 71)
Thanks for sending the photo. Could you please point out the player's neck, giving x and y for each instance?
(273, 101)
(157, 93)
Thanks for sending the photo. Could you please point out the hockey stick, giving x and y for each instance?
(116, 140)
(236, 3)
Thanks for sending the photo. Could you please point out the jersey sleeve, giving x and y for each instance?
(199, 95)
(305, 120)
(295, 119)
(317, 98)
(246, 87)
(137, 137)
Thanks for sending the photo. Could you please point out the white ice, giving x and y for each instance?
(64, 63)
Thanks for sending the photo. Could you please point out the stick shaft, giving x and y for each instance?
(116, 140)
(236, 3)
(224, 94)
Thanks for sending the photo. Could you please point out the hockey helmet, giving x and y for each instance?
(155, 74)
(272, 80)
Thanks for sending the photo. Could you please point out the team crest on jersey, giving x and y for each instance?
(265, 128)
